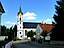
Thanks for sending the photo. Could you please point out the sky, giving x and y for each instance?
(33, 11)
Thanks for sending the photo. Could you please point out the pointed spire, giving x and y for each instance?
(20, 11)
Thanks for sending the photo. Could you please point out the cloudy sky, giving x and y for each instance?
(33, 11)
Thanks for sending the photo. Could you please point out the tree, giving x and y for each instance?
(4, 30)
(10, 34)
(58, 30)
(44, 33)
(15, 30)
(30, 34)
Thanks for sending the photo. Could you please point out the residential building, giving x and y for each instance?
(1, 12)
(43, 27)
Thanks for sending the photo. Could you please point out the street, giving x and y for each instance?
(28, 45)
(34, 45)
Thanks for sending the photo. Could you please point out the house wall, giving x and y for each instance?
(38, 31)
(2, 38)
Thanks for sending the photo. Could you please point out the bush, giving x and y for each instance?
(33, 39)
(30, 34)
(2, 43)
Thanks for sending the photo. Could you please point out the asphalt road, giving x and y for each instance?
(28, 45)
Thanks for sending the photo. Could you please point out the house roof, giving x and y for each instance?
(47, 27)
(30, 24)
(1, 8)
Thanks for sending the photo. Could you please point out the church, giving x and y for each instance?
(24, 27)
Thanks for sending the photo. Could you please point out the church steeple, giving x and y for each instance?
(20, 11)
(20, 31)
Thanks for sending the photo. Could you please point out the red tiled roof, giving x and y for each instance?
(47, 27)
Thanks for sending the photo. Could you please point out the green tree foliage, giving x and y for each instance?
(15, 30)
(58, 30)
(44, 33)
(4, 30)
(10, 34)
(30, 34)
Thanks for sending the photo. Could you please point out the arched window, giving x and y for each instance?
(20, 32)
(20, 27)
(25, 32)
(20, 19)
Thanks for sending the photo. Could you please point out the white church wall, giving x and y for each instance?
(26, 29)
(25, 36)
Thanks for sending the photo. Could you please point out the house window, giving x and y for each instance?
(20, 27)
(21, 36)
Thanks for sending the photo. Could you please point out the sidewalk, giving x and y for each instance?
(20, 41)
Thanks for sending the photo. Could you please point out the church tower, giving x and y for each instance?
(20, 32)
